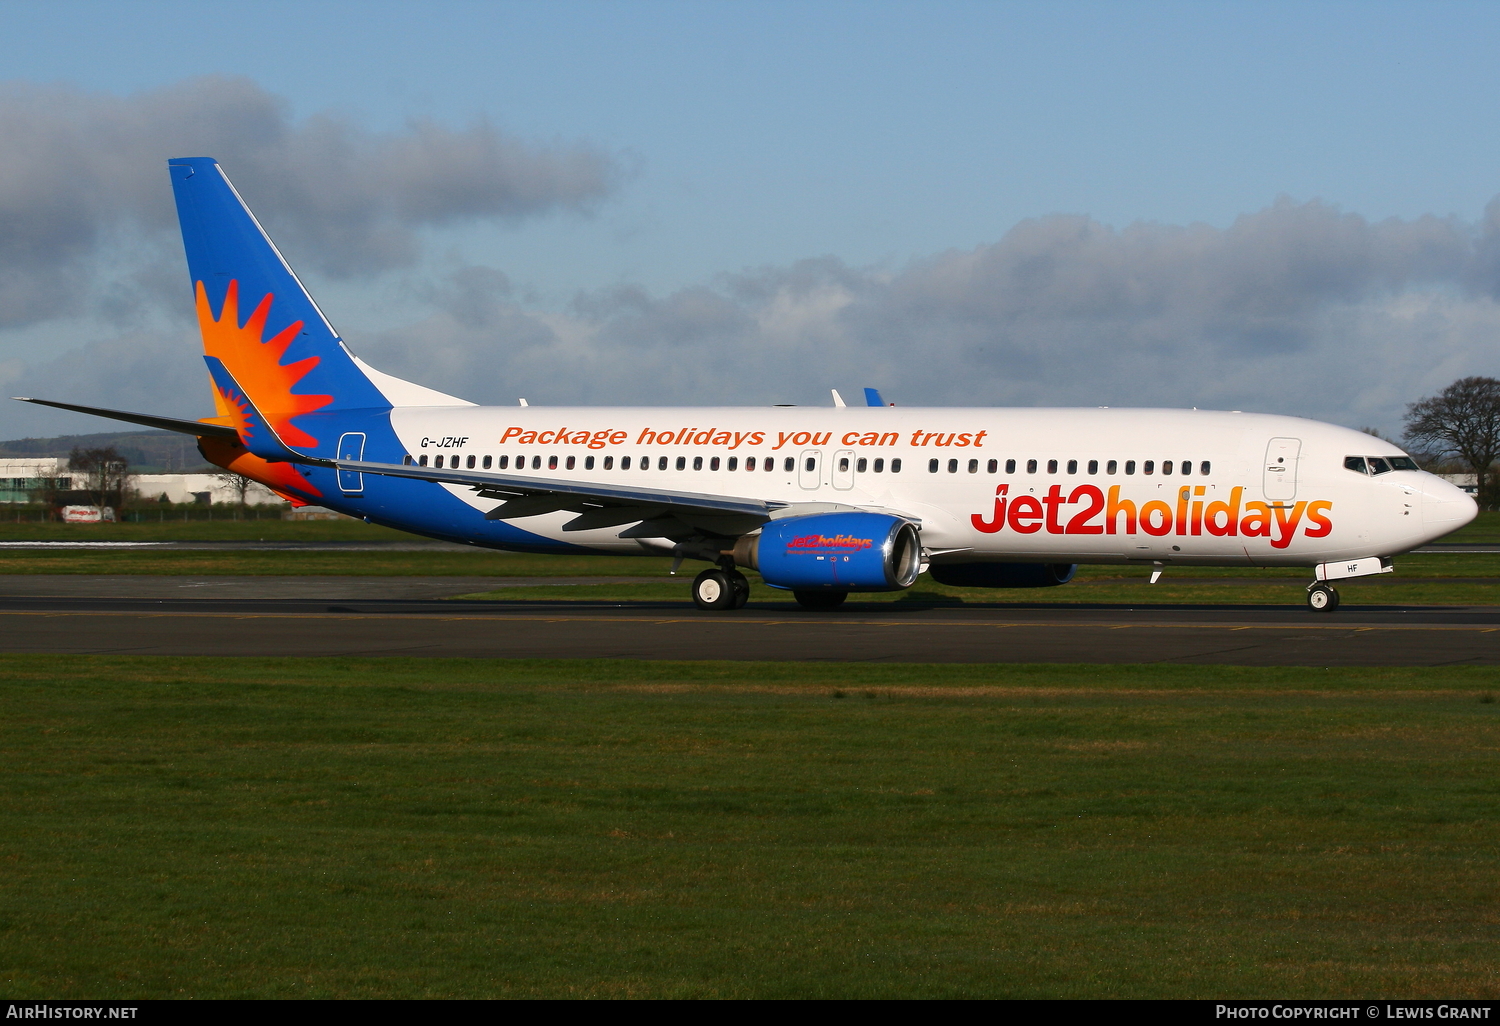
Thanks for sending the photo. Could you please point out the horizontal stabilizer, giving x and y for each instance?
(185, 427)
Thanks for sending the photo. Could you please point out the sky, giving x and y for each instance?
(1281, 207)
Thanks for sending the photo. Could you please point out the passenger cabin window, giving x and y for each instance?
(1072, 466)
(551, 462)
(572, 462)
(1187, 467)
(469, 463)
(609, 463)
(973, 466)
(1205, 467)
(588, 463)
(992, 466)
(437, 461)
(1031, 466)
(1111, 466)
(843, 464)
(624, 462)
(932, 466)
(1093, 466)
(879, 466)
(1149, 467)
(661, 463)
(812, 464)
(713, 464)
(422, 461)
(769, 463)
(697, 462)
(734, 462)
(861, 465)
(1010, 466)
(488, 460)
(1379, 466)
(1130, 466)
(407, 461)
(749, 463)
(789, 465)
(1051, 466)
(953, 466)
(682, 463)
(1166, 467)
(646, 463)
(895, 466)
(503, 463)
(536, 463)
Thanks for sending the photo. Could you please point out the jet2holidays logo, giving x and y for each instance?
(1092, 511)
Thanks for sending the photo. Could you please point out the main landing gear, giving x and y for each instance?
(721, 588)
(1322, 597)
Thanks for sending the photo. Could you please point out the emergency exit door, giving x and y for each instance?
(810, 468)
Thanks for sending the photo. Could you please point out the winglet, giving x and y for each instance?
(838, 400)
(872, 397)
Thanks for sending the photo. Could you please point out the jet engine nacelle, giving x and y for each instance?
(835, 551)
(1003, 575)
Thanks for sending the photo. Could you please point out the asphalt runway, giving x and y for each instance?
(406, 616)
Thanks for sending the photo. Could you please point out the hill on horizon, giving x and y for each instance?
(148, 452)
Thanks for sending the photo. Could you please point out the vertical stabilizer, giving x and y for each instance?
(260, 323)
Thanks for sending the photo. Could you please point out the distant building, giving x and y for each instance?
(22, 479)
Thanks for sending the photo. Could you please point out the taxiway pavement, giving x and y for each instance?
(406, 616)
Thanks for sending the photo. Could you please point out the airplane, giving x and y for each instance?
(822, 502)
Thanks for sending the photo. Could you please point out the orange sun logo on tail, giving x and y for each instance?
(256, 364)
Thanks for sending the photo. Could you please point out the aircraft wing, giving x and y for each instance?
(654, 511)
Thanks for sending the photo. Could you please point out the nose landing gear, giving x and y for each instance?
(1322, 597)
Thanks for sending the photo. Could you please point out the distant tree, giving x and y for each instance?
(103, 473)
(1376, 432)
(1462, 420)
(238, 485)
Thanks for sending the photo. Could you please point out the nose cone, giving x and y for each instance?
(1444, 506)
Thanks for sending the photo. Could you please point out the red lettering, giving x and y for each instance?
(997, 520)
(1149, 524)
(1315, 513)
(510, 433)
(1115, 507)
(1080, 522)
(1025, 514)
(1288, 526)
(1052, 500)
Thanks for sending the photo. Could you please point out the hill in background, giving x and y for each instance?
(149, 452)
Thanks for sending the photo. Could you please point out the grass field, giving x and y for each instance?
(1448, 578)
(392, 828)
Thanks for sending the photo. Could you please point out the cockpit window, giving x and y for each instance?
(1356, 464)
(1403, 463)
(1379, 466)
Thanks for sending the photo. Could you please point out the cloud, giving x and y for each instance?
(80, 172)
(1297, 308)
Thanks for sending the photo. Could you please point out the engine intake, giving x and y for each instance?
(1003, 575)
(836, 551)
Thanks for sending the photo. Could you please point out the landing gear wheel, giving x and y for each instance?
(820, 599)
(713, 590)
(1322, 598)
(740, 587)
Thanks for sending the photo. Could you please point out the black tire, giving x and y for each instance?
(1322, 598)
(713, 591)
(741, 588)
(820, 599)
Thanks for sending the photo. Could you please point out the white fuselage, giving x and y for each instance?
(1028, 485)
